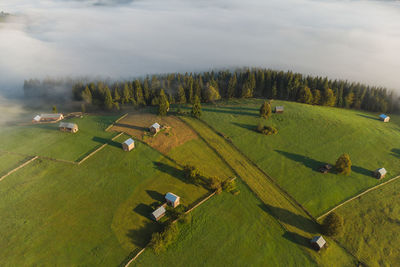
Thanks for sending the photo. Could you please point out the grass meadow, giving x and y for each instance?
(10, 161)
(92, 214)
(46, 139)
(308, 137)
(230, 230)
(372, 226)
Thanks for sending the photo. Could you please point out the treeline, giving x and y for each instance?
(211, 86)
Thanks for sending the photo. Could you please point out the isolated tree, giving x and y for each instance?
(265, 110)
(54, 109)
(108, 101)
(305, 95)
(332, 224)
(163, 106)
(343, 164)
(196, 109)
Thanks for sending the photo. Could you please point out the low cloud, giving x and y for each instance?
(355, 40)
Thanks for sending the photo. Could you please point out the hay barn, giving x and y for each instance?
(384, 118)
(279, 109)
(172, 199)
(155, 128)
(380, 173)
(158, 213)
(128, 145)
(68, 127)
(50, 117)
(318, 242)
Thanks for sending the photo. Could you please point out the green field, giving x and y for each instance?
(46, 140)
(10, 161)
(230, 230)
(308, 137)
(92, 214)
(372, 226)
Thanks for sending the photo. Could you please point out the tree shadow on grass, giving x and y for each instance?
(135, 127)
(246, 126)
(288, 217)
(368, 117)
(143, 210)
(239, 108)
(306, 161)
(106, 141)
(155, 195)
(395, 152)
(141, 237)
(232, 112)
(297, 239)
(171, 170)
(361, 170)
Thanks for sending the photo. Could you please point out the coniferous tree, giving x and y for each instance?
(196, 109)
(108, 101)
(116, 97)
(139, 96)
(181, 99)
(232, 86)
(54, 109)
(329, 98)
(126, 94)
(146, 90)
(265, 110)
(316, 97)
(305, 95)
(87, 95)
(163, 106)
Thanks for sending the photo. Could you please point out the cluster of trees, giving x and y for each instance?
(194, 175)
(212, 86)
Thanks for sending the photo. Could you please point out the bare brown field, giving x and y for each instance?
(137, 125)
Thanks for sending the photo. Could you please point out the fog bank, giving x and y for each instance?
(355, 40)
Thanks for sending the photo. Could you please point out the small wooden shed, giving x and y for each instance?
(279, 109)
(380, 173)
(155, 128)
(36, 119)
(68, 127)
(158, 213)
(52, 117)
(318, 242)
(172, 199)
(128, 145)
(384, 118)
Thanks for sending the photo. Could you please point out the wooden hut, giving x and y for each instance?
(380, 173)
(384, 118)
(172, 199)
(128, 145)
(155, 128)
(318, 242)
(52, 117)
(279, 109)
(68, 127)
(158, 213)
(36, 119)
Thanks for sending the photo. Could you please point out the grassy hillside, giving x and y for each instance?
(47, 140)
(372, 226)
(308, 137)
(10, 161)
(230, 230)
(93, 214)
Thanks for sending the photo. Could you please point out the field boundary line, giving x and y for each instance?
(97, 150)
(112, 124)
(19, 167)
(283, 191)
(186, 212)
(357, 196)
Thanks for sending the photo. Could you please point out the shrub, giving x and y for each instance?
(160, 241)
(230, 186)
(214, 183)
(192, 173)
(343, 164)
(332, 224)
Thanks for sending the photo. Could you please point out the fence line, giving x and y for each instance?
(112, 124)
(19, 167)
(357, 196)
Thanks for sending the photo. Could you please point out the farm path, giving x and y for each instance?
(300, 226)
